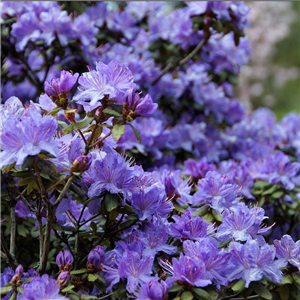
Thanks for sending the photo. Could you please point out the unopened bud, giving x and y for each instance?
(64, 260)
(81, 163)
(95, 259)
(63, 279)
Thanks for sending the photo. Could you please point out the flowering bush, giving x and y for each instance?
(140, 176)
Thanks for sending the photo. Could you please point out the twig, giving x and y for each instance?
(9, 257)
(57, 183)
(181, 62)
(64, 191)
(40, 227)
(12, 230)
(100, 140)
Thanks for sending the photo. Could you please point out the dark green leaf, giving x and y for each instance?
(110, 201)
(270, 191)
(68, 288)
(117, 131)
(261, 290)
(201, 294)
(21, 174)
(137, 134)
(62, 124)
(25, 181)
(284, 292)
(175, 288)
(78, 125)
(187, 295)
(112, 113)
(94, 226)
(296, 278)
(277, 195)
(76, 272)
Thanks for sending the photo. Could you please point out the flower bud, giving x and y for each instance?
(95, 259)
(16, 280)
(81, 163)
(63, 279)
(64, 260)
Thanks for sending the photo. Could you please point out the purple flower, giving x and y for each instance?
(59, 87)
(197, 169)
(150, 201)
(188, 227)
(206, 250)
(113, 80)
(217, 190)
(137, 106)
(28, 136)
(42, 288)
(186, 270)
(135, 269)
(95, 259)
(153, 290)
(242, 223)
(112, 174)
(251, 262)
(64, 260)
(287, 251)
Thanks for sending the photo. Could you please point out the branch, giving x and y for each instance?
(9, 257)
(64, 191)
(12, 230)
(99, 141)
(174, 64)
(57, 183)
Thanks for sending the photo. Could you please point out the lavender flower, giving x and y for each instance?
(28, 136)
(153, 290)
(217, 190)
(112, 174)
(188, 227)
(42, 288)
(287, 251)
(206, 250)
(186, 270)
(137, 106)
(251, 262)
(197, 169)
(242, 223)
(58, 88)
(113, 80)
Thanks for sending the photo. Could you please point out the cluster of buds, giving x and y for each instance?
(63, 279)
(64, 260)
(95, 260)
(58, 89)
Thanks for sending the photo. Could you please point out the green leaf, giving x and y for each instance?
(284, 292)
(25, 181)
(270, 191)
(294, 292)
(113, 214)
(83, 296)
(78, 125)
(112, 113)
(136, 133)
(201, 294)
(239, 286)
(277, 195)
(117, 131)
(68, 288)
(92, 277)
(20, 290)
(21, 174)
(217, 216)
(296, 278)
(287, 279)
(175, 288)
(13, 296)
(47, 167)
(77, 272)
(187, 295)
(58, 227)
(54, 111)
(5, 290)
(62, 124)
(261, 290)
(94, 226)
(110, 201)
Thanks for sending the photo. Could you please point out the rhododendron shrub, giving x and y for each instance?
(129, 170)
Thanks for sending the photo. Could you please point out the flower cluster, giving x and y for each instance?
(141, 176)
